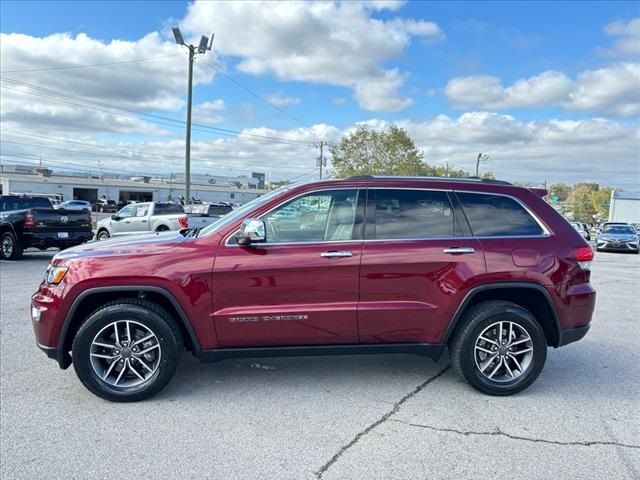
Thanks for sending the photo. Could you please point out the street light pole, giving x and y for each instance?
(481, 158)
(204, 46)
(187, 147)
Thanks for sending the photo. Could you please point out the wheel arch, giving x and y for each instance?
(531, 296)
(91, 299)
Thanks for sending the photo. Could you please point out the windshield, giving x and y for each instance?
(240, 212)
(619, 229)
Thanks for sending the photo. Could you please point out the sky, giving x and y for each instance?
(549, 90)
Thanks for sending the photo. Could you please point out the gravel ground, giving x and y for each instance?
(381, 416)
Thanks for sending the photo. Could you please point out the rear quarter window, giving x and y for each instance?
(497, 216)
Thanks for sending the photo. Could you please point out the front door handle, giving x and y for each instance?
(336, 254)
(459, 250)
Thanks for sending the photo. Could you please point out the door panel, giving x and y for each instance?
(301, 286)
(286, 295)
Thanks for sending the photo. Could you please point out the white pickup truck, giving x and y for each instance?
(144, 217)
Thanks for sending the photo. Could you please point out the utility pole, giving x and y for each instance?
(481, 158)
(321, 161)
(204, 46)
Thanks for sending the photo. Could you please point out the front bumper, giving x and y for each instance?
(618, 246)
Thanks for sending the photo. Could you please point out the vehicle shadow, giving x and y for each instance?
(196, 379)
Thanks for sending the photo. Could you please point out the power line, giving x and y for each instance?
(71, 67)
(251, 92)
(162, 120)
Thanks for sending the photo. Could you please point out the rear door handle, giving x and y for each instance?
(336, 254)
(459, 250)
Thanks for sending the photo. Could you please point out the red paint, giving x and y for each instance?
(387, 291)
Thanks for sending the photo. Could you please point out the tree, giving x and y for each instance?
(560, 190)
(373, 152)
(600, 200)
(580, 202)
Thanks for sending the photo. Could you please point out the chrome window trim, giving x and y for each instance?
(545, 231)
(227, 244)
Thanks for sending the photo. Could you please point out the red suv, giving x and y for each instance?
(360, 265)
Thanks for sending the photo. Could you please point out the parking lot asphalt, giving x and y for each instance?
(360, 417)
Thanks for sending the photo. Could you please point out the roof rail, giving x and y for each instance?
(433, 179)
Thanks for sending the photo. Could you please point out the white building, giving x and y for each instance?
(625, 207)
(142, 189)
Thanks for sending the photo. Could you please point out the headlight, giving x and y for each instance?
(54, 275)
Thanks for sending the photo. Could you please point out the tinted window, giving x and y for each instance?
(495, 215)
(167, 208)
(24, 203)
(619, 229)
(404, 214)
(316, 217)
(219, 209)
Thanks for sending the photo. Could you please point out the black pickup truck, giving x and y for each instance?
(33, 222)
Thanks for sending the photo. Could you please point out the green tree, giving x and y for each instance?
(580, 203)
(560, 190)
(373, 152)
(600, 200)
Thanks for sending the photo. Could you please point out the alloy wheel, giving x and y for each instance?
(125, 353)
(7, 246)
(503, 351)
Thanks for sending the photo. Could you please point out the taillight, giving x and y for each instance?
(90, 219)
(183, 221)
(584, 256)
(29, 220)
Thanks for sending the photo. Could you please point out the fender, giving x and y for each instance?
(63, 357)
(494, 286)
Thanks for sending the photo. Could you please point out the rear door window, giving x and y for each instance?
(412, 214)
(497, 216)
(167, 209)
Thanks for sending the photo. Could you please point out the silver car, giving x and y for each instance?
(74, 205)
(617, 237)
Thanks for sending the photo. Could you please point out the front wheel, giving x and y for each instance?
(103, 235)
(500, 348)
(126, 351)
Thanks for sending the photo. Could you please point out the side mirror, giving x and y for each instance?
(115, 217)
(252, 230)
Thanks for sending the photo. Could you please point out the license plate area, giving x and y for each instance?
(63, 234)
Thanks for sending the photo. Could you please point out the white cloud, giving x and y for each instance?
(154, 85)
(321, 42)
(281, 100)
(611, 90)
(626, 36)
(208, 112)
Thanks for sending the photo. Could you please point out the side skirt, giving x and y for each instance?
(431, 350)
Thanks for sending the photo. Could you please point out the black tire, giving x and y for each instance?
(10, 248)
(473, 323)
(155, 319)
(162, 228)
(103, 235)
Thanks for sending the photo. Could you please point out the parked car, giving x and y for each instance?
(618, 237)
(143, 217)
(582, 229)
(33, 222)
(379, 265)
(74, 205)
(202, 214)
(105, 206)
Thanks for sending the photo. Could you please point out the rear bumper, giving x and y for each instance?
(573, 335)
(50, 239)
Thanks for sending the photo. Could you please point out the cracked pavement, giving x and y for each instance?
(361, 417)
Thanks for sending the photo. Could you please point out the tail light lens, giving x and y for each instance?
(90, 219)
(29, 220)
(183, 221)
(584, 256)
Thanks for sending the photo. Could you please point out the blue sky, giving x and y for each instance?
(461, 70)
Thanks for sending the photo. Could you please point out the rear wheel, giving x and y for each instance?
(162, 228)
(127, 350)
(500, 348)
(10, 248)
